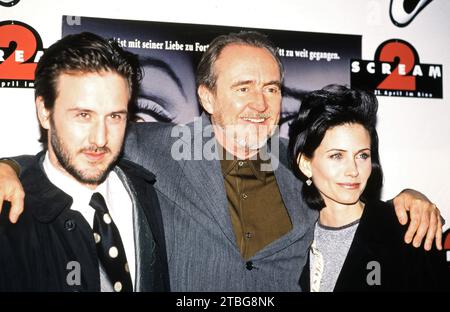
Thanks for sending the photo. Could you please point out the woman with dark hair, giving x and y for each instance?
(358, 242)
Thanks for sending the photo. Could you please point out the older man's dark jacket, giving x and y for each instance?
(51, 248)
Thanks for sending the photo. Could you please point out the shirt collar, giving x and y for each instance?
(229, 162)
(69, 185)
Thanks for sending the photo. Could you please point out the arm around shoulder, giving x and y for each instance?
(10, 187)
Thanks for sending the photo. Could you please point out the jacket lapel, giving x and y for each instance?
(48, 200)
(369, 243)
(147, 227)
(51, 206)
(302, 217)
(206, 180)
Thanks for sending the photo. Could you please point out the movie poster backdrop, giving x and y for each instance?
(169, 53)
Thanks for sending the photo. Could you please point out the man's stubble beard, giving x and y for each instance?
(245, 142)
(66, 162)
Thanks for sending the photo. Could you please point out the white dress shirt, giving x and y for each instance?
(117, 199)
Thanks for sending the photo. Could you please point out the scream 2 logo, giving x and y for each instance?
(20, 50)
(396, 71)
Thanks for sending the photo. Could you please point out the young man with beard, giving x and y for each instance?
(89, 220)
(234, 223)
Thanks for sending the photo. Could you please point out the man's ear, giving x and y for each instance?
(42, 113)
(304, 164)
(206, 98)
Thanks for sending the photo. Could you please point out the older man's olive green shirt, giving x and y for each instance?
(258, 214)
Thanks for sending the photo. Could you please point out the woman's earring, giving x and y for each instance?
(309, 182)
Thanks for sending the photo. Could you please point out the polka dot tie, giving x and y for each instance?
(110, 251)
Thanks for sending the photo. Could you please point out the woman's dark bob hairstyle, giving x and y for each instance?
(324, 109)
